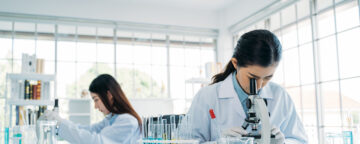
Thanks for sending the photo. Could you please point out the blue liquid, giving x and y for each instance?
(347, 137)
(6, 137)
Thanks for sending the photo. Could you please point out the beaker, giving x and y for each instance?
(46, 131)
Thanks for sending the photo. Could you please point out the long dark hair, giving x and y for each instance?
(257, 47)
(106, 83)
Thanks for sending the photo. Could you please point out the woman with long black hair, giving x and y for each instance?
(257, 55)
(121, 124)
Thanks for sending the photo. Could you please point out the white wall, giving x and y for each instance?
(116, 10)
(230, 15)
(242, 9)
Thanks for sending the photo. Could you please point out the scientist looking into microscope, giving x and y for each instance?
(256, 56)
(121, 124)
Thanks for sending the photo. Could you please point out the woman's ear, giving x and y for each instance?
(234, 62)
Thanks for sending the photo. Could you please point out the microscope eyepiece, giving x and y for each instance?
(253, 86)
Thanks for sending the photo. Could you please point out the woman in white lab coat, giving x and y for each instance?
(256, 55)
(121, 124)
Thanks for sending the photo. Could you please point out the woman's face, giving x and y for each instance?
(262, 75)
(99, 104)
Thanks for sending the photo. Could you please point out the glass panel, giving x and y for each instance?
(207, 55)
(331, 107)
(275, 21)
(322, 4)
(45, 28)
(22, 46)
(260, 25)
(331, 104)
(177, 82)
(124, 54)
(328, 59)
(85, 73)
(66, 29)
(288, 15)
(326, 25)
(16, 66)
(307, 64)
(304, 31)
(5, 48)
(192, 88)
(66, 51)
(143, 81)
(160, 81)
(347, 16)
(6, 25)
(66, 79)
(125, 77)
(309, 112)
(45, 50)
(5, 66)
(159, 56)
(291, 65)
(177, 56)
(86, 52)
(351, 104)
(191, 39)
(289, 37)
(303, 8)
(105, 68)
(142, 54)
(2, 116)
(105, 32)
(279, 36)
(105, 53)
(49, 67)
(24, 27)
(85, 30)
(192, 57)
(349, 45)
(279, 74)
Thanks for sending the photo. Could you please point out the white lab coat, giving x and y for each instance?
(222, 98)
(117, 129)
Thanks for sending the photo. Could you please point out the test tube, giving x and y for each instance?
(6, 137)
(164, 129)
(143, 127)
(151, 128)
(181, 127)
(159, 128)
(172, 126)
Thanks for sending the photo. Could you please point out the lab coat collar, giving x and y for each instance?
(227, 90)
(109, 116)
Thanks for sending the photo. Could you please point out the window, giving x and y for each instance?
(330, 56)
(349, 53)
(147, 65)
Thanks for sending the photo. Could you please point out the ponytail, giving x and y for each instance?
(222, 76)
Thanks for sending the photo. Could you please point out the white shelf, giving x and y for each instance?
(198, 80)
(31, 76)
(30, 102)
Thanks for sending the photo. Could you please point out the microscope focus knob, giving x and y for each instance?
(248, 103)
